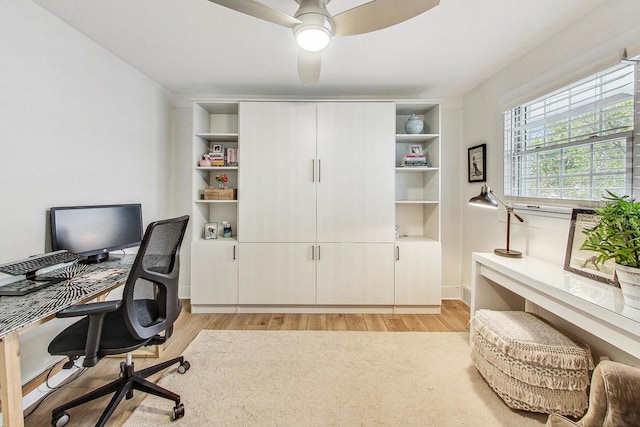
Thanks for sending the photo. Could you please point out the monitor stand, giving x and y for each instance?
(94, 259)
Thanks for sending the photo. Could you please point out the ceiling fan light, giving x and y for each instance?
(313, 39)
(314, 33)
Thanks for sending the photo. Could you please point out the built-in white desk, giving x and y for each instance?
(500, 283)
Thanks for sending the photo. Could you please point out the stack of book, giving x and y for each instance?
(217, 159)
(223, 156)
(415, 160)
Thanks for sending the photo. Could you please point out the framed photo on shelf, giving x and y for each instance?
(216, 148)
(415, 149)
(211, 230)
(476, 162)
(581, 261)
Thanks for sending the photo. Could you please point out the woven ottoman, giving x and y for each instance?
(530, 364)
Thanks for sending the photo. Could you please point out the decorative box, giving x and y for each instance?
(220, 194)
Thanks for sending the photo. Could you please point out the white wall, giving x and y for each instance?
(593, 40)
(182, 167)
(77, 126)
(452, 177)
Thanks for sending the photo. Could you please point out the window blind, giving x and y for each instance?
(573, 143)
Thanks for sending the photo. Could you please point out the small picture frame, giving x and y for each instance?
(226, 228)
(211, 230)
(477, 163)
(216, 148)
(581, 261)
(415, 149)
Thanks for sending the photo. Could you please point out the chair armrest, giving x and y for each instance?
(89, 309)
(96, 313)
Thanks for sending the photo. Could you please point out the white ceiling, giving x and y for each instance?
(197, 48)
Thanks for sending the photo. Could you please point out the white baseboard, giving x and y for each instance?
(313, 309)
(451, 292)
(466, 295)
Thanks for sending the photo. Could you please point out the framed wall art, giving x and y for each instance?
(581, 261)
(477, 161)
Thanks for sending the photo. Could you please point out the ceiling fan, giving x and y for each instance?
(313, 26)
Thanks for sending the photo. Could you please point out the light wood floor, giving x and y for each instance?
(454, 318)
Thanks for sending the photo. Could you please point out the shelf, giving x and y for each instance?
(233, 239)
(416, 169)
(217, 168)
(415, 239)
(219, 137)
(216, 201)
(416, 138)
(417, 202)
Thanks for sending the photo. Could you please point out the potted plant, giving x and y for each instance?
(616, 236)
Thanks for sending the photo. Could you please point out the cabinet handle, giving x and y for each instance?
(234, 252)
(318, 252)
(397, 253)
(313, 170)
(319, 170)
(313, 253)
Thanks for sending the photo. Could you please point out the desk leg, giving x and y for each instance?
(11, 382)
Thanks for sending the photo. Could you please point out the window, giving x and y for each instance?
(571, 145)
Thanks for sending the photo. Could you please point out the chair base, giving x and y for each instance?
(123, 387)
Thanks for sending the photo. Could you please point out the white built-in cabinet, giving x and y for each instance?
(418, 268)
(215, 271)
(214, 262)
(320, 192)
(333, 184)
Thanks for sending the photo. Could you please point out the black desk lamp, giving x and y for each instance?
(486, 200)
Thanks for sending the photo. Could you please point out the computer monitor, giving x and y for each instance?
(94, 231)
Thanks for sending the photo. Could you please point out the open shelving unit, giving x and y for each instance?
(418, 187)
(213, 122)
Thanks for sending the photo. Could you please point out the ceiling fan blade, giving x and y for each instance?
(309, 66)
(260, 11)
(379, 14)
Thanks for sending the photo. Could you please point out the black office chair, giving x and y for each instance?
(143, 317)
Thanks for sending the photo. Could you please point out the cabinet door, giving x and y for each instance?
(355, 273)
(278, 273)
(356, 175)
(277, 189)
(214, 272)
(418, 273)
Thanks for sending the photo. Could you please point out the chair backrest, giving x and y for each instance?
(150, 296)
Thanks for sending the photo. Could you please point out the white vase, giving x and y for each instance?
(629, 279)
(414, 125)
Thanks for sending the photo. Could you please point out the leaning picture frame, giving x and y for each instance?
(415, 149)
(580, 261)
(477, 163)
(210, 230)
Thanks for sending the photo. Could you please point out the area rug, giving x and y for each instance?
(317, 378)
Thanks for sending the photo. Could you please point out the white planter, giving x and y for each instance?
(629, 279)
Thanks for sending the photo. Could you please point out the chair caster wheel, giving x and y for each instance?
(178, 412)
(61, 420)
(184, 367)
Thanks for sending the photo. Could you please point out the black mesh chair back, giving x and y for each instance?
(151, 292)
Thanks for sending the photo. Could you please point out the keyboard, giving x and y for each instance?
(32, 264)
